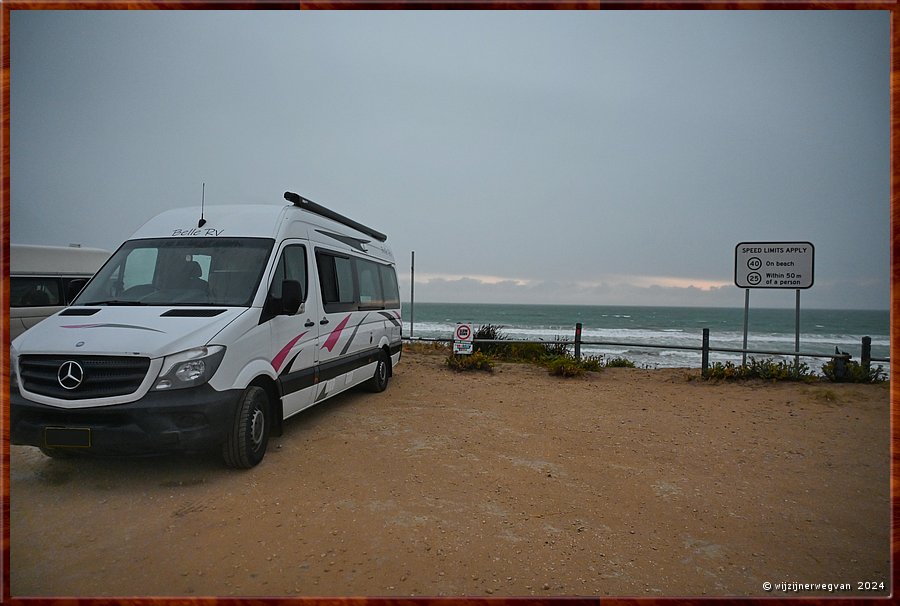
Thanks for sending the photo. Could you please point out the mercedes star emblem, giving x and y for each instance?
(70, 375)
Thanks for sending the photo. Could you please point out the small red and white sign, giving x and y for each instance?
(463, 332)
(462, 339)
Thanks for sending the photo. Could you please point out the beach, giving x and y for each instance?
(627, 482)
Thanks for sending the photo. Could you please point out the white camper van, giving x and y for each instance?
(206, 332)
(44, 279)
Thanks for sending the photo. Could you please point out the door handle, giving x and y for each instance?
(309, 324)
(323, 321)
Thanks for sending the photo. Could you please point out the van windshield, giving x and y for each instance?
(180, 271)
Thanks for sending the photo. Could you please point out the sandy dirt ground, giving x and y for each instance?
(627, 482)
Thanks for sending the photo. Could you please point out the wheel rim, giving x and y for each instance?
(382, 371)
(257, 428)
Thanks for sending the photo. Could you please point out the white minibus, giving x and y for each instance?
(206, 330)
(44, 279)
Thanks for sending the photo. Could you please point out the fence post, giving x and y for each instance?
(578, 341)
(704, 370)
(866, 353)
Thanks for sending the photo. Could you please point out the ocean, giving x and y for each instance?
(769, 329)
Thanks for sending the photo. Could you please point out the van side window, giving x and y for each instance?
(34, 292)
(291, 266)
(370, 295)
(389, 283)
(338, 285)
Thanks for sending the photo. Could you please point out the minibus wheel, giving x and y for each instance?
(56, 453)
(245, 445)
(379, 380)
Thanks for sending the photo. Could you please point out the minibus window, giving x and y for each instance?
(389, 282)
(181, 271)
(370, 296)
(139, 267)
(291, 266)
(344, 271)
(338, 285)
(34, 292)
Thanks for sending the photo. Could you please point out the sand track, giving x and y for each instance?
(627, 482)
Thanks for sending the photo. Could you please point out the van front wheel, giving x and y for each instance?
(379, 380)
(246, 442)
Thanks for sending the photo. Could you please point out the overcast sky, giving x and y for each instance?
(526, 157)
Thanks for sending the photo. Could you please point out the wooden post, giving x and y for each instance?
(865, 355)
(578, 342)
(705, 355)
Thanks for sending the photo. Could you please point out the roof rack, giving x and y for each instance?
(306, 204)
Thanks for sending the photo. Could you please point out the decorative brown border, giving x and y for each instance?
(892, 5)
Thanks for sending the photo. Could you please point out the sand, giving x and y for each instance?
(628, 482)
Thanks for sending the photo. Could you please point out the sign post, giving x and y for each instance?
(784, 265)
(462, 339)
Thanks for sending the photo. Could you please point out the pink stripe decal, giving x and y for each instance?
(279, 359)
(335, 334)
(131, 326)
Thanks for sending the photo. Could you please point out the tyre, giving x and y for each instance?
(245, 445)
(379, 380)
(57, 453)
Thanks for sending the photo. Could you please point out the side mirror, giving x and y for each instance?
(291, 297)
(74, 289)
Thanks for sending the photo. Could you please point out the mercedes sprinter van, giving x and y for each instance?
(206, 330)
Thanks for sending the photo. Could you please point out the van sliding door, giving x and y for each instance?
(346, 342)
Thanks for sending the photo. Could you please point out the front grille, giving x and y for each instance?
(103, 376)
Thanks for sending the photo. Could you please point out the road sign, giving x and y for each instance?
(462, 339)
(774, 265)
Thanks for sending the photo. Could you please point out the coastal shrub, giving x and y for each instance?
(619, 362)
(770, 370)
(767, 370)
(854, 372)
(474, 361)
(492, 332)
(592, 363)
(525, 352)
(565, 366)
(727, 371)
(557, 350)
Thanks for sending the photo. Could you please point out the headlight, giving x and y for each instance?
(189, 368)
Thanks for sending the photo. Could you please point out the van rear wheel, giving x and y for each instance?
(246, 442)
(379, 380)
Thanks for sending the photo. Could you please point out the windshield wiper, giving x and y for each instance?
(112, 302)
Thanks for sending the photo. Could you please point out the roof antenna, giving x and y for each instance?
(202, 221)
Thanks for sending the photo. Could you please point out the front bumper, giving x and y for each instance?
(186, 420)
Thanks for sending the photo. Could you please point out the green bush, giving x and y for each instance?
(854, 372)
(525, 352)
(767, 370)
(619, 363)
(490, 331)
(565, 366)
(592, 363)
(557, 350)
(475, 361)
